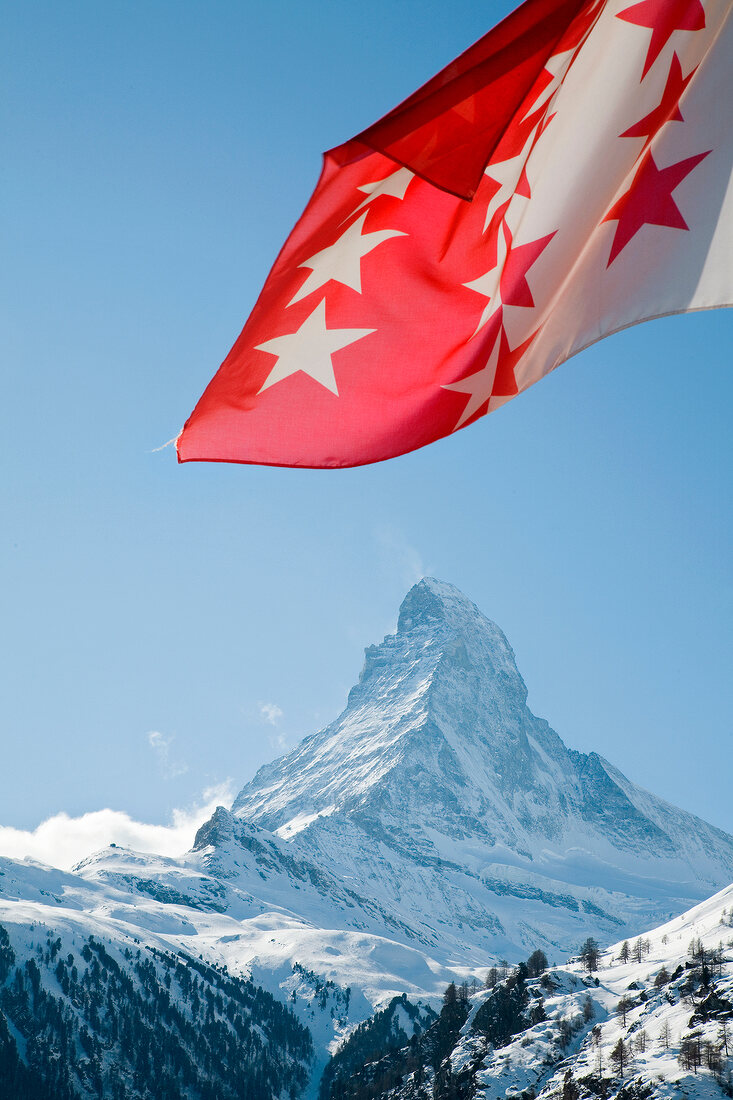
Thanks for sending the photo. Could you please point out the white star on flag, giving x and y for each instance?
(488, 285)
(506, 173)
(341, 261)
(310, 349)
(394, 186)
(556, 66)
(479, 386)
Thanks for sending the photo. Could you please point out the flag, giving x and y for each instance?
(566, 177)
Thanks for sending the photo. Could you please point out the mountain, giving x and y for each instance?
(646, 1020)
(436, 827)
(438, 795)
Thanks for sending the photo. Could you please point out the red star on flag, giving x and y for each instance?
(668, 109)
(663, 18)
(514, 288)
(491, 236)
(581, 26)
(495, 383)
(649, 200)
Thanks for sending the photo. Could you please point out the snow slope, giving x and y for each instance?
(670, 1007)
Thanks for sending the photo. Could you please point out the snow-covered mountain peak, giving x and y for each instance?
(444, 690)
(435, 612)
(216, 832)
(437, 766)
(433, 601)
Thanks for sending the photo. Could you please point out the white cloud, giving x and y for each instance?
(271, 712)
(160, 744)
(280, 742)
(397, 551)
(62, 841)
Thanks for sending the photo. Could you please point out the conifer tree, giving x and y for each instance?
(620, 1057)
(589, 954)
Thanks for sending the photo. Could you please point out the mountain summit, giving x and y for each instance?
(433, 701)
(401, 717)
(439, 791)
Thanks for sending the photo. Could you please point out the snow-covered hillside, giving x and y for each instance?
(84, 1015)
(329, 979)
(652, 1018)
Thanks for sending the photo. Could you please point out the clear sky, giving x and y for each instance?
(167, 629)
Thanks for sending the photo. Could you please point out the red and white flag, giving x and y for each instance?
(568, 176)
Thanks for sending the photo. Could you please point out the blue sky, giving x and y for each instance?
(158, 156)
